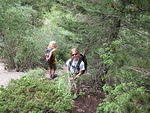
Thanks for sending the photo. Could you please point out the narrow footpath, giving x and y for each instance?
(6, 76)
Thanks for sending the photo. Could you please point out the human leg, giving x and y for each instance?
(53, 69)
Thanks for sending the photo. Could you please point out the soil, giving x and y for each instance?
(87, 103)
(6, 76)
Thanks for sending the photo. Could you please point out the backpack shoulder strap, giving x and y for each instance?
(70, 63)
(78, 64)
(48, 50)
(47, 53)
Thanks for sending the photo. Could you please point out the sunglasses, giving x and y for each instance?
(74, 54)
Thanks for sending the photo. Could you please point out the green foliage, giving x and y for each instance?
(117, 32)
(125, 98)
(37, 73)
(34, 93)
(17, 39)
(127, 59)
(24, 38)
(28, 54)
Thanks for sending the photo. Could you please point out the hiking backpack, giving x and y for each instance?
(47, 53)
(82, 58)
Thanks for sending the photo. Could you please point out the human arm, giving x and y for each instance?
(52, 52)
(78, 75)
(67, 65)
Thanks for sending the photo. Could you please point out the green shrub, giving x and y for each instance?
(18, 40)
(126, 63)
(34, 93)
(125, 98)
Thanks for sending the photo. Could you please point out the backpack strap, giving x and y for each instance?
(77, 66)
(70, 63)
(48, 50)
(47, 54)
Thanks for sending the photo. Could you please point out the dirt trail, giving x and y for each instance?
(6, 76)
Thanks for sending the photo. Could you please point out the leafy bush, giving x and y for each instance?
(34, 93)
(27, 55)
(125, 62)
(125, 98)
(23, 41)
(17, 40)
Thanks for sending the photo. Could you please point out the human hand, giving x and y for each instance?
(71, 78)
(47, 58)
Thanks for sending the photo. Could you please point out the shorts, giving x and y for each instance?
(52, 65)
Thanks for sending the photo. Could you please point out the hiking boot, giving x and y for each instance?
(53, 76)
(50, 76)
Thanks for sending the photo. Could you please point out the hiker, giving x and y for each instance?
(75, 65)
(50, 58)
